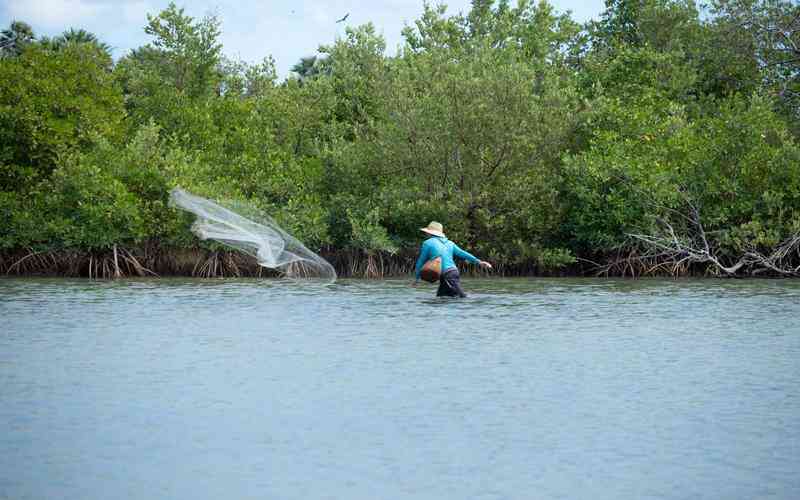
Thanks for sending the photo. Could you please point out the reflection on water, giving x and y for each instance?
(529, 388)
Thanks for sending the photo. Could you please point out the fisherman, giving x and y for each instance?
(438, 246)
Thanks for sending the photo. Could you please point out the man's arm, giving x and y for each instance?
(463, 254)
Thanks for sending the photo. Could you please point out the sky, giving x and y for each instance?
(251, 29)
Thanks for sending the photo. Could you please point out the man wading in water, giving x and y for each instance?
(439, 247)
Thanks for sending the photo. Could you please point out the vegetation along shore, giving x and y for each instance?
(659, 139)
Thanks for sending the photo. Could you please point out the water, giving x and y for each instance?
(603, 389)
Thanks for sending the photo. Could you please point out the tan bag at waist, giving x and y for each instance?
(431, 270)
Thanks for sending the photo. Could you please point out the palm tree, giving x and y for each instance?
(73, 36)
(309, 67)
(14, 39)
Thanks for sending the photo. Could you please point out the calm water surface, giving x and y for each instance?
(541, 389)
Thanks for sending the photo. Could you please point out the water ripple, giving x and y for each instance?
(550, 388)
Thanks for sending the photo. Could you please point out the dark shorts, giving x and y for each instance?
(450, 284)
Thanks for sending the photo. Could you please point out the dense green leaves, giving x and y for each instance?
(53, 103)
(535, 140)
(15, 38)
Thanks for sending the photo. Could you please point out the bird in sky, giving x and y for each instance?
(344, 18)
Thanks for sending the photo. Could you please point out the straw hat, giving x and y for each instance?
(433, 228)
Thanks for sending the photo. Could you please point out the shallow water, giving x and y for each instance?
(541, 388)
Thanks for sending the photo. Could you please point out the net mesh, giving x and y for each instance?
(245, 229)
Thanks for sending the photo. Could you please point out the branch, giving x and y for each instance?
(678, 252)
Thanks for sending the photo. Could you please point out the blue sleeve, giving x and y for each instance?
(424, 251)
(461, 254)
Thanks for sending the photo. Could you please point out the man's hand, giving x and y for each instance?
(485, 264)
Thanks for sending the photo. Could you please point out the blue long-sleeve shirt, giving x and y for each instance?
(439, 246)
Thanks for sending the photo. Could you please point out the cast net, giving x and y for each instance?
(245, 229)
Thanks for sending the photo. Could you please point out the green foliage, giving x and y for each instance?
(738, 167)
(663, 25)
(367, 232)
(311, 67)
(15, 38)
(82, 37)
(239, 79)
(89, 208)
(640, 73)
(554, 258)
(52, 104)
(764, 38)
(21, 224)
(534, 140)
(356, 65)
(188, 52)
(476, 128)
(180, 67)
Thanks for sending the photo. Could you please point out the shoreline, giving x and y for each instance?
(161, 262)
